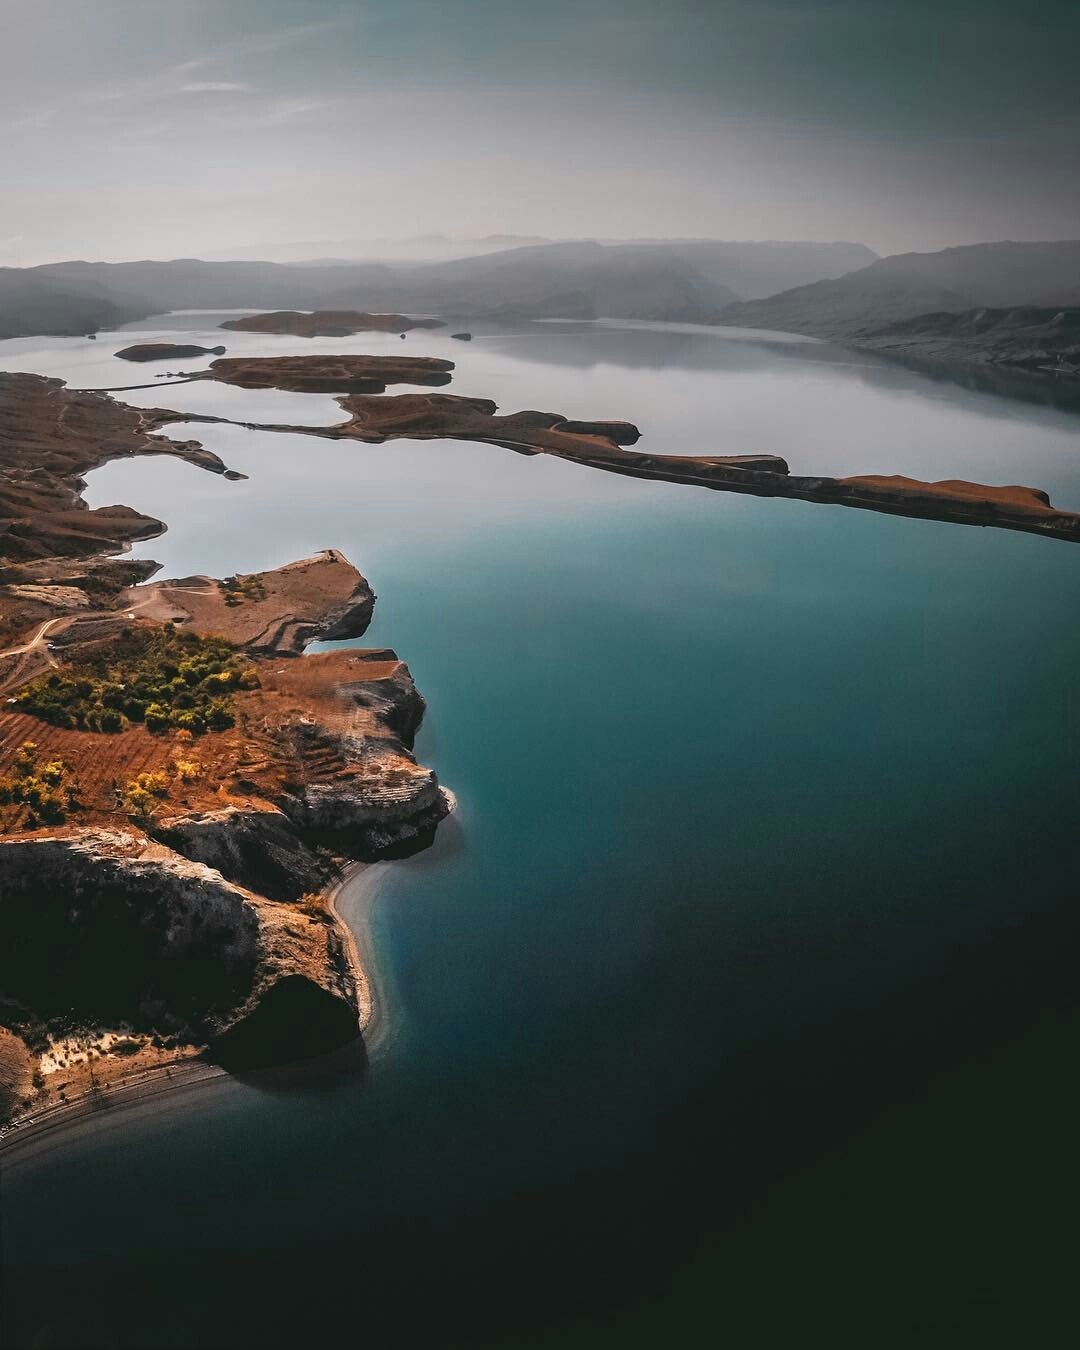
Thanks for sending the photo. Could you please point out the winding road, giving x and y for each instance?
(12, 678)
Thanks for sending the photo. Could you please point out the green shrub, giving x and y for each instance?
(164, 677)
(40, 787)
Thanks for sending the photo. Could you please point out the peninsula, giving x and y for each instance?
(601, 444)
(170, 760)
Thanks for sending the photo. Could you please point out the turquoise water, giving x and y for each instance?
(767, 818)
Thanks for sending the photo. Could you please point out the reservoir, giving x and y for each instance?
(752, 942)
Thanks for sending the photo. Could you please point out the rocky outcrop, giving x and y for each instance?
(16, 1070)
(622, 433)
(254, 845)
(350, 777)
(380, 800)
(165, 351)
(294, 1018)
(121, 923)
(269, 613)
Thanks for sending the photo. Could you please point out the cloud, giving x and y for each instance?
(258, 43)
(216, 87)
(34, 121)
(287, 110)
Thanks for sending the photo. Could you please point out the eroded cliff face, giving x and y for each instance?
(201, 926)
(205, 924)
(112, 924)
(254, 845)
(382, 799)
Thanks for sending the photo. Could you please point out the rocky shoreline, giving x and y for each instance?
(192, 915)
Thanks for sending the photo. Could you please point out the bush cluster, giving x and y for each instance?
(236, 589)
(164, 677)
(143, 793)
(43, 787)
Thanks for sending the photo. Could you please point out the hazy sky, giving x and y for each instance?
(158, 128)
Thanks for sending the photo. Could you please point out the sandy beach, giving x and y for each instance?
(350, 901)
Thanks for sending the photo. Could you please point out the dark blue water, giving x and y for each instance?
(767, 820)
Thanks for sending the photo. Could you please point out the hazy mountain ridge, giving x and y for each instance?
(588, 280)
(417, 249)
(680, 280)
(31, 305)
(757, 269)
(571, 281)
(906, 285)
(750, 268)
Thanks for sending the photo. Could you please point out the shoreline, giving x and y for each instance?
(359, 887)
(37, 1135)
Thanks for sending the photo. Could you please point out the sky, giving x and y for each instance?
(166, 128)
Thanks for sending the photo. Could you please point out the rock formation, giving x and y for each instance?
(165, 351)
(124, 927)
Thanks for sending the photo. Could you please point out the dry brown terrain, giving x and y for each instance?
(280, 611)
(200, 922)
(328, 374)
(255, 820)
(601, 445)
(329, 697)
(51, 436)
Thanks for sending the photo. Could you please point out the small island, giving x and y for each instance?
(165, 351)
(327, 374)
(328, 323)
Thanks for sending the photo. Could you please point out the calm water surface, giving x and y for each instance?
(767, 820)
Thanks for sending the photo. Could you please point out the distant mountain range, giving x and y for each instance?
(678, 280)
(909, 284)
(900, 303)
(842, 291)
(749, 269)
(418, 248)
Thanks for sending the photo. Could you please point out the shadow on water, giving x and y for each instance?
(321, 1076)
(431, 1274)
